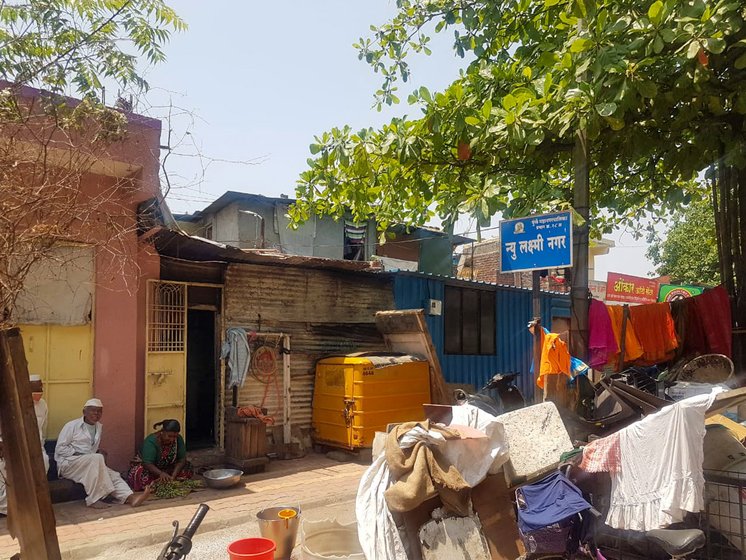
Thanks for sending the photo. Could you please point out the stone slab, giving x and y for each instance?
(537, 438)
(454, 538)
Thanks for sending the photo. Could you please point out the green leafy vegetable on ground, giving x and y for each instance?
(176, 488)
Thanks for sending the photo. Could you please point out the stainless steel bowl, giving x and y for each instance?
(222, 478)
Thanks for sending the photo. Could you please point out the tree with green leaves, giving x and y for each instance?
(50, 193)
(659, 87)
(688, 251)
(75, 46)
(49, 144)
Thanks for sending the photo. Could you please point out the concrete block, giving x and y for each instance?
(454, 538)
(537, 438)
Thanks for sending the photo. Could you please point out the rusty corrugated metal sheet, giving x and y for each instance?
(323, 312)
(514, 310)
(179, 245)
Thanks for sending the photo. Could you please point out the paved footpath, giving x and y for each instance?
(315, 482)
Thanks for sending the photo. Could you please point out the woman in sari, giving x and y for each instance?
(163, 457)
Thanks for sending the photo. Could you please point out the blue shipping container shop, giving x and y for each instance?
(482, 328)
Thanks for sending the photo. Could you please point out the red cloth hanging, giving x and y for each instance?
(601, 340)
(714, 314)
(654, 327)
(689, 329)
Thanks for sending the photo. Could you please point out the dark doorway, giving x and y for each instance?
(200, 387)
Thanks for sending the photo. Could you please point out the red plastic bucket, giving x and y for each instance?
(254, 549)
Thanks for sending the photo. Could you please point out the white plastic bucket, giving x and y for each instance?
(330, 540)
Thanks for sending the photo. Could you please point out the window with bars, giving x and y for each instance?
(167, 317)
(469, 317)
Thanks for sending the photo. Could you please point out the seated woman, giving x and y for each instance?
(163, 457)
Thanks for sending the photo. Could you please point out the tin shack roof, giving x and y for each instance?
(179, 245)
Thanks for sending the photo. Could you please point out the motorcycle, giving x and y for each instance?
(181, 545)
(509, 395)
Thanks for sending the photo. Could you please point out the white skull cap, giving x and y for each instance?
(34, 377)
(93, 402)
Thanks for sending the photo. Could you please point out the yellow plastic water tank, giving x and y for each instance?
(359, 394)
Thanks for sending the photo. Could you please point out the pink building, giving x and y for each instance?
(82, 314)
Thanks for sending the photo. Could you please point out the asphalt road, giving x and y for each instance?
(213, 545)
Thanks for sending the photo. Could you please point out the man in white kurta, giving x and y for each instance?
(78, 459)
(42, 415)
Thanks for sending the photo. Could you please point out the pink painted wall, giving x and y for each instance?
(115, 357)
(123, 266)
(119, 345)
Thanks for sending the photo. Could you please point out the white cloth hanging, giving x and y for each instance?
(236, 349)
(660, 476)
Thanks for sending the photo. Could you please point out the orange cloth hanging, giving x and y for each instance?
(632, 347)
(555, 357)
(655, 330)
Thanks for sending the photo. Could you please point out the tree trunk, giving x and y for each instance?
(579, 294)
(729, 204)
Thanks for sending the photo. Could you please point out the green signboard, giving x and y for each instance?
(672, 292)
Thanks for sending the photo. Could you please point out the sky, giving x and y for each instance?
(249, 84)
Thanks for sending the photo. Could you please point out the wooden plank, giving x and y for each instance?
(726, 400)
(406, 331)
(30, 514)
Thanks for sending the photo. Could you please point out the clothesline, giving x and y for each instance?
(659, 332)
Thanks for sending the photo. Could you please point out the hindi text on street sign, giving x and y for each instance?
(536, 242)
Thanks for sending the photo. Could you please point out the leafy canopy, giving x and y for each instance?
(659, 85)
(688, 252)
(49, 145)
(60, 45)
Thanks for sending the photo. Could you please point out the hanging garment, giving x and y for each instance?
(653, 325)
(602, 342)
(660, 476)
(632, 347)
(236, 349)
(555, 358)
(689, 328)
(602, 455)
(714, 313)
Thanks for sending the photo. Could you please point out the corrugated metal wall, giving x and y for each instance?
(324, 312)
(514, 310)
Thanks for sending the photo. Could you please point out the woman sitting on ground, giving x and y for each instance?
(163, 457)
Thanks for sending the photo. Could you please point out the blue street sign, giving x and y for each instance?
(536, 242)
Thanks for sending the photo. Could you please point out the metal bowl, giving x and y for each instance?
(222, 478)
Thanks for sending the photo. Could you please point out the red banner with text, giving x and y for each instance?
(631, 289)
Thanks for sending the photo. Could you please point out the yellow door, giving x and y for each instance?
(165, 361)
(63, 356)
